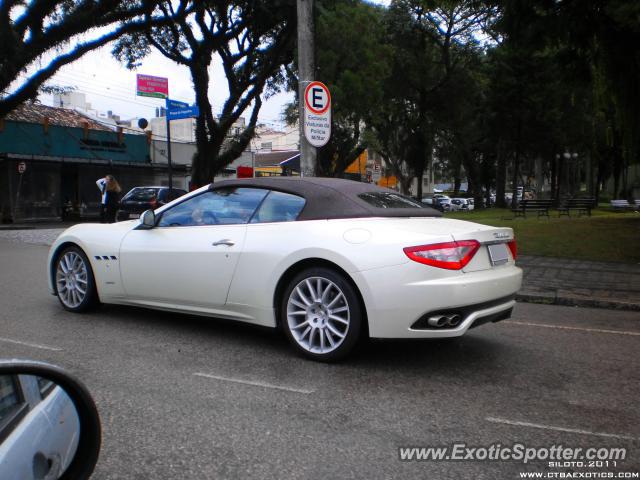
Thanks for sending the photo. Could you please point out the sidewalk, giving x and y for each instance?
(558, 281)
(37, 225)
(582, 283)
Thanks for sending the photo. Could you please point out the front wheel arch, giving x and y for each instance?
(297, 267)
(54, 258)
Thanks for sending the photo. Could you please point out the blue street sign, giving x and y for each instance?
(175, 104)
(178, 113)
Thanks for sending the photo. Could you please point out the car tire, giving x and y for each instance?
(74, 281)
(320, 314)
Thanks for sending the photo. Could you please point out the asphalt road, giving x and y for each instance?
(194, 398)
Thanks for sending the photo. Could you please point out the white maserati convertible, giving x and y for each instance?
(325, 260)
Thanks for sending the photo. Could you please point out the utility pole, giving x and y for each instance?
(306, 72)
(170, 167)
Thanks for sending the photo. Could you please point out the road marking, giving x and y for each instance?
(33, 345)
(560, 327)
(559, 429)
(255, 384)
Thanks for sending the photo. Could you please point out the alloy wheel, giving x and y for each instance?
(72, 279)
(318, 315)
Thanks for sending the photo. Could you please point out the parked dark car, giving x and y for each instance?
(139, 199)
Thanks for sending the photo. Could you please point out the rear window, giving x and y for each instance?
(142, 194)
(389, 200)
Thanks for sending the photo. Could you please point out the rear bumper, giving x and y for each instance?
(398, 297)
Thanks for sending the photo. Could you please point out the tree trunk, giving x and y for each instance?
(457, 181)
(516, 167)
(501, 178)
(204, 159)
(539, 167)
(554, 178)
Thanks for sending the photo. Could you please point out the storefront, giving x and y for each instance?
(50, 159)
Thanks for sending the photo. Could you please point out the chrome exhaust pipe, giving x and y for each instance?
(454, 320)
(438, 321)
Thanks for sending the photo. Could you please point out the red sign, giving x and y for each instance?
(149, 86)
(317, 97)
(244, 172)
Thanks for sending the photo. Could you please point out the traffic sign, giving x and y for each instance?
(377, 173)
(317, 114)
(176, 104)
(187, 112)
(22, 166)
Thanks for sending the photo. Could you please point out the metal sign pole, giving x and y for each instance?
(169, 149)
(306, 72)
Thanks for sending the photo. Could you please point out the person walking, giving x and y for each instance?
(110, 201)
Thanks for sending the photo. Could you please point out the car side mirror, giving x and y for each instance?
(49, 424)
(148, 219)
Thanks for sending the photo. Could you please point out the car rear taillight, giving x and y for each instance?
(449, 255)
(513, 247)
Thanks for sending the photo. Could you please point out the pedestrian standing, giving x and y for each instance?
(110, 201)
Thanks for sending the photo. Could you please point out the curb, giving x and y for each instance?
(552, 298)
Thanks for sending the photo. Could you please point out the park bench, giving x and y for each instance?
(624, 205)
(540, 206)
(581, 205)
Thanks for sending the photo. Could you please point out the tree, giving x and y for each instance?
(603, 35)
(31, 32)
(252, 39)
(432, 42)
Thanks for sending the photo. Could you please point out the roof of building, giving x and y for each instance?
(32, 112)
(330, 198)
(268, 131)
(273, 158)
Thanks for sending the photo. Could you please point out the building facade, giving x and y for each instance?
(51, 157)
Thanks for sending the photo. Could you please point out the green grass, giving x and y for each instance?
(605, 236)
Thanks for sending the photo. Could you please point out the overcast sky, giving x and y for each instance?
(110, 86)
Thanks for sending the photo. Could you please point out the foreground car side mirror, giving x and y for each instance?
(49, 424)
(148, 219)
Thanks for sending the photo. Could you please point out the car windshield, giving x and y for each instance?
(389, 200)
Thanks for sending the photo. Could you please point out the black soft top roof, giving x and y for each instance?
(329, 197)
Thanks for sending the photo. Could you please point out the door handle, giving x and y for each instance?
(224, 241)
